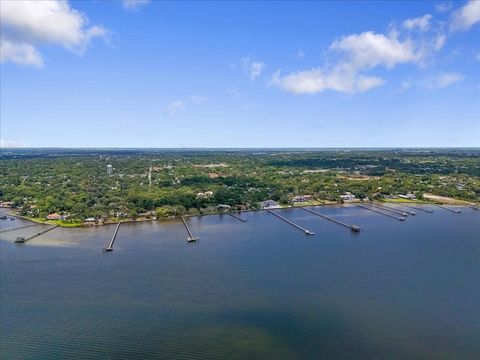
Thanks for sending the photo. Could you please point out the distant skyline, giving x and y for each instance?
(152, 74)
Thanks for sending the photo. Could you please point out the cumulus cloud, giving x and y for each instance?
(342, 78)
(467, 16)
(368, 49)
(421, 23)
(134, 4)
(26, 24)
(446, 79)
(253, 68)
(352, 59)
(357, 54)
(4, 143)
(19, 53)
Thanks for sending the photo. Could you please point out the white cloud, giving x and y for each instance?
(368, 49)
(25, 25)
(440, 41)
(174, 108)
(134, 4)
(467, 16)
(421, 23)
(253, 68)
(4, 143)
(19, 53)
(358, 54)
(343, 78)
(446, 79)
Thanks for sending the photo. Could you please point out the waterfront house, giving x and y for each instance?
(54, 216)
(347, 196)
(269, 204)
(302, 198)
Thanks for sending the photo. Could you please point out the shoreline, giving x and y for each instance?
(450, 201)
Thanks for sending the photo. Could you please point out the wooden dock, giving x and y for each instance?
(19, 227)
(416, 208)
(379, 212)
(353, 228)
(110, 245)
(191, 237)
(21, 239)
(306, 231)
(456, 211)
(237, 217)
(386, 208)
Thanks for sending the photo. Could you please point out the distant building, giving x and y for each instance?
(109, 170)
(347, 197)
(54, 216)
(269, 204)
(302, 198)
(409, 196)
(90, 219)
(223, 207)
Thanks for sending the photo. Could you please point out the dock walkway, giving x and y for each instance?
(306, 231)
(19, 227)
(191, 237)
(237, 217)
(386, 208)
(456, 211)
(379, 212)
(22, 240)
(416, 208)
(110, 245)
(354, 228)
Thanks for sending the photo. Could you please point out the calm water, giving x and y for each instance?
(260, 289)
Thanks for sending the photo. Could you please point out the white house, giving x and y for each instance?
(269, 204)
(347, 196)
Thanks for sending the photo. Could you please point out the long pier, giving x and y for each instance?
(416, 208)
(110, 246)
(386, 208)
(380, 212)
(19, 227)
(237, 217)
(191, 237)
(353, 228)
(456, 211)
(22, 239)
(306, 231)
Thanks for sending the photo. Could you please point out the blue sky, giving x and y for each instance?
(240, 74)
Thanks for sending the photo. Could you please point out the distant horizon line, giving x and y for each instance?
(233, 148)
